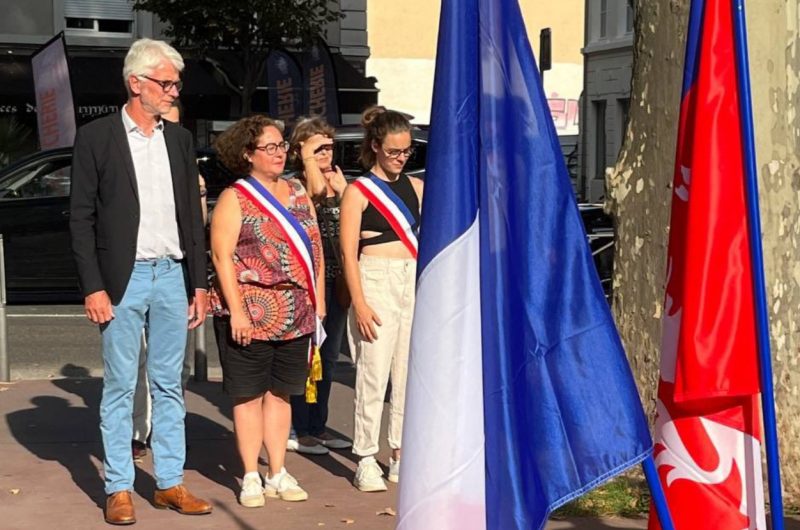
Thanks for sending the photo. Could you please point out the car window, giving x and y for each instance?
(346, 154)
(216, 175)
(48, 179)
(417, 160)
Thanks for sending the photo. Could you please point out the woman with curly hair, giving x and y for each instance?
(379, 222)
(267, 298)
(312, 156)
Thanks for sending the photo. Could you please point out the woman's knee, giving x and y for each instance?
(277, 397)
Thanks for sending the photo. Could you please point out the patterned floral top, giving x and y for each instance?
(264, 261)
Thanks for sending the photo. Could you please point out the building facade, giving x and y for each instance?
(402, 40)
(608, 62)
(98, 33)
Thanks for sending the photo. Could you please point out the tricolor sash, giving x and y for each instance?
(300, 247)
(392, 208)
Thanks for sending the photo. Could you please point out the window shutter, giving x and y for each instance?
(99, 9)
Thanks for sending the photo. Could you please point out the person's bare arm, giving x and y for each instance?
(226, 224)
(353, 205)
(315, 181)
(418, 185)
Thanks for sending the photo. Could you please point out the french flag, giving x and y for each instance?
(519, 395)
(708, 425)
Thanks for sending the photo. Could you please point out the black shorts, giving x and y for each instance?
(280, 366)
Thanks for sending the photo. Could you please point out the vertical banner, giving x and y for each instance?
(708, 425)
(55, 110)
(285, 82)
(320, 83)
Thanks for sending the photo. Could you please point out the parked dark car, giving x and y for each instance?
(34, 215)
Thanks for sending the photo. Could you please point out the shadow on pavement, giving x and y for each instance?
(220, 463)
(53, 418)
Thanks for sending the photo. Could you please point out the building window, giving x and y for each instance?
(629, 16)
(599, 108)
(603, 18)
(88, 17)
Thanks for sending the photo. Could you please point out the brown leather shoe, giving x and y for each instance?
(179, 499)
(119, 508)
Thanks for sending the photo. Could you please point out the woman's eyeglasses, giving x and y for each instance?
(396, 153)
(271, 149)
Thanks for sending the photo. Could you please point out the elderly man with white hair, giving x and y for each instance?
(137, 238)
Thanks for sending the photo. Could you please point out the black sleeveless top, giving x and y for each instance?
(372, 220)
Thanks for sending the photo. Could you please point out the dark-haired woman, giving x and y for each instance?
(312, 152)
(266, 249)
(379, 221)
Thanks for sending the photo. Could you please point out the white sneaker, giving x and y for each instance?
(284, 486)
(369, 476)
(252, 493)
(394, 471)
(292, 444)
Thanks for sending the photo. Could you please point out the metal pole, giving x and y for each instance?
(657, 493)
(200, 358)
(756, 253)
(5, 374)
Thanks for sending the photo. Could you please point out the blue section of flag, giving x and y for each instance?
(693, 35)
(450, 203)
(561, 409)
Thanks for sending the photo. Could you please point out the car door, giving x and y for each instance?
(34, 221)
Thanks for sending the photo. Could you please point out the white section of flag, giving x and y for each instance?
(443, 467)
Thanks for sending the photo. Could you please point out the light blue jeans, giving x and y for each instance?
(154, 301)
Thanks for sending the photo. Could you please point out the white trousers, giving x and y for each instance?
(389, 288)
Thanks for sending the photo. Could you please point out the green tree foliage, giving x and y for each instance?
(244, 29)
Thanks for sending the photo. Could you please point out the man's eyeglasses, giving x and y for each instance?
(396, 153)
(271, 149)
(324, 148)
(166, 86)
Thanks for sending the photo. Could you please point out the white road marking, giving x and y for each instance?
(45, 315)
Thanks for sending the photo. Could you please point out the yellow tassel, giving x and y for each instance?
(314, 375)
(311, 391)
(316, 365)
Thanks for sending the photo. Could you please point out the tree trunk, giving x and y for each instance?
(254, 68)
(639, 193)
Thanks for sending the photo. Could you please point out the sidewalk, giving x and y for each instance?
(50, 468)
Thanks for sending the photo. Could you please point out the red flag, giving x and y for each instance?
(708, 450)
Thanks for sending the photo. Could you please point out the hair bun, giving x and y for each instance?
(370, 114)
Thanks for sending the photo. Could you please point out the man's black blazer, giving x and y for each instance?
(104, 206)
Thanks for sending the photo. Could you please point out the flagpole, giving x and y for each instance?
(759, 288)
(657, 493)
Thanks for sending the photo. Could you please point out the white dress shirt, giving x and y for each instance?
(158, 224)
